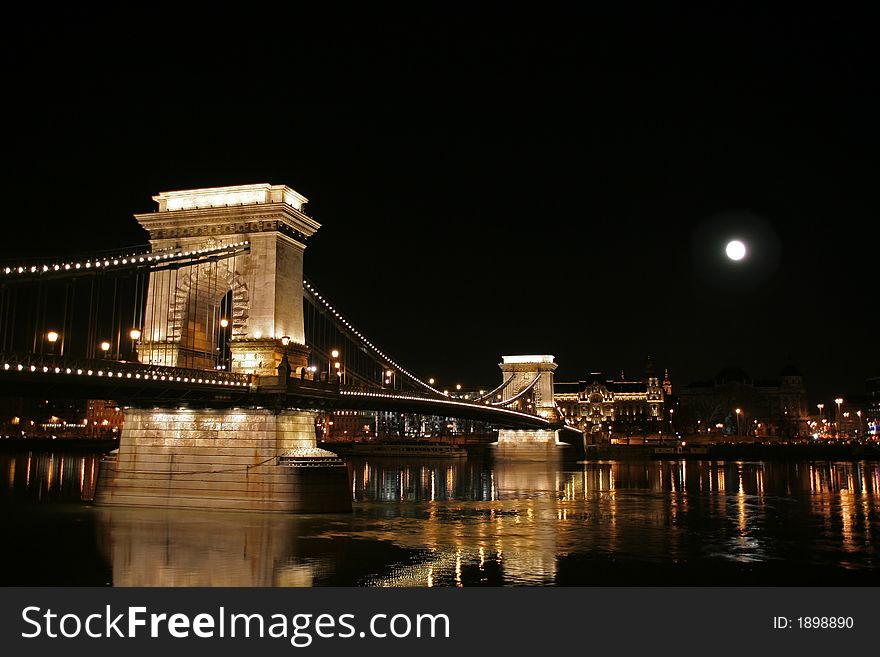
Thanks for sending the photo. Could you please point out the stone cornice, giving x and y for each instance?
(527, 367)
(232, 220)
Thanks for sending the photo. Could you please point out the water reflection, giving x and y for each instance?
(683, 521)
(49, 477)
(160, 547)
(475, 522)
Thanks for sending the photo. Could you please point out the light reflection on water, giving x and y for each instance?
(64, 476)
(470, 522)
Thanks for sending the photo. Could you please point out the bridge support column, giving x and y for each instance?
(527, 445)
(234, 459)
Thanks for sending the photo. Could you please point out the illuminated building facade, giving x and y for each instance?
(345, 426)
(734, 403)
(103, 418)
(872, 407)
(598, 404)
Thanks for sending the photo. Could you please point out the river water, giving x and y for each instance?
(465, 522)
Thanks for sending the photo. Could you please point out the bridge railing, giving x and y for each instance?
(53, 365)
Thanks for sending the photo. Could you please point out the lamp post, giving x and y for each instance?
(222, 343)
(738, 413)
(334, 354)
(838, 401)
(135, 335)
(105, 348)
(284, 365)
(859, 413)
(52, 338)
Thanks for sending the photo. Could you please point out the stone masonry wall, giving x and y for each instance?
(222, 459)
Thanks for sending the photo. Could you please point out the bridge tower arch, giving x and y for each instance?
(182, 305)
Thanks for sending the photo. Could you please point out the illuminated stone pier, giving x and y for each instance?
(262, 459)
(253, 459)
(529, 388)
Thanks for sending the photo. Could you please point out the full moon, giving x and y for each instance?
(736, 250)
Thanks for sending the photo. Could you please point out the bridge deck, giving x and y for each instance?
(139, 384)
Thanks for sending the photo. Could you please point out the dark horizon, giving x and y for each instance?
(558, 183)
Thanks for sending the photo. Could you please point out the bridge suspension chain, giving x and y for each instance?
(326, 328)
(92, 264)
(96, 306)
(492, 393)
(522, 393)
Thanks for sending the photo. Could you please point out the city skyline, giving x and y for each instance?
(560, 185)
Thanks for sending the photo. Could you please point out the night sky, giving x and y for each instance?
(492, 182)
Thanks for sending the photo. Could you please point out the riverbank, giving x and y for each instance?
(398, 449)
(739, 451)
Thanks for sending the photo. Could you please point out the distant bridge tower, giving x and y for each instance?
(521, 373)
(184, 306)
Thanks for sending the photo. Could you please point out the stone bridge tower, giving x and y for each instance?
(529, 444)
(183, 306)
(524, 370)
(251, 458)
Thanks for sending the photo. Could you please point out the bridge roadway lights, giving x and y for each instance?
(254, 459)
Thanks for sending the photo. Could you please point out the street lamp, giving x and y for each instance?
(52, 338)
(224, 322)
(105, 347)
(284, 365)
(738, 413)
(431, 381)
(838, 401)
(135, 335)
